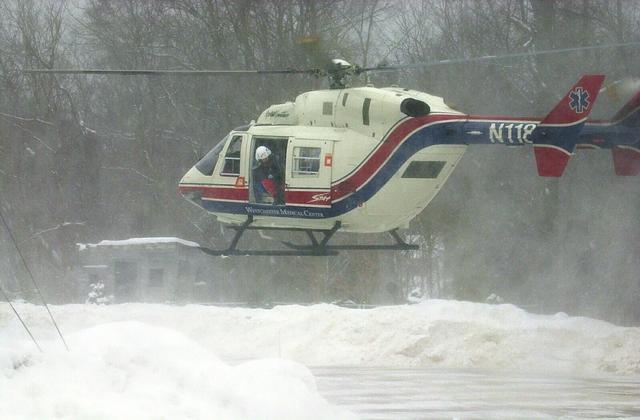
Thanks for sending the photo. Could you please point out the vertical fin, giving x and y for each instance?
(554, 139)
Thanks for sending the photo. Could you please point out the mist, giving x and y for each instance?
(89, 158)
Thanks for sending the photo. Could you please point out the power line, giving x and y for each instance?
(20, 318)
(33, 279)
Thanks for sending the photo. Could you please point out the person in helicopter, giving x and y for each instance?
(268, 178)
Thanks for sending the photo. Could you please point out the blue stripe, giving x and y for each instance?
(422, 138)
(437, 133)
(564, 137)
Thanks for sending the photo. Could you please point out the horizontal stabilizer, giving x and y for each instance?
(555, 138)
(626, 160)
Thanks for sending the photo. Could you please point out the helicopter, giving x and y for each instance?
(369, 160)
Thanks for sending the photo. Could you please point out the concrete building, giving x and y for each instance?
(149, 270)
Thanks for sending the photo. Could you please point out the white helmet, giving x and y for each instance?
(262, 152)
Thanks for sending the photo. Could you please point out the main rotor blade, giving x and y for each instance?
(171, 72)
(494, 57)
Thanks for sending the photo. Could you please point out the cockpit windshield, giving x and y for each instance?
(207, 164)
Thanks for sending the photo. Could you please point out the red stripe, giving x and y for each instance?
(362, 174)
(238, 194)
(498, 118)
(318, 198)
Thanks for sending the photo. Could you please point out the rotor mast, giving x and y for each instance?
(339, 71)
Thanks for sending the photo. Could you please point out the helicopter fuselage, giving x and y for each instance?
(369, 158)
(343, 158)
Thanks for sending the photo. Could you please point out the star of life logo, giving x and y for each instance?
(579, 100)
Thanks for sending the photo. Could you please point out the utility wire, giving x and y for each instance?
(20, 318)
(33, 279)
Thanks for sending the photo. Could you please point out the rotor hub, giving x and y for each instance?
(338, 72)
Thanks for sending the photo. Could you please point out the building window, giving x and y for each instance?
(156, 277)
(232, 158)
(306, 161)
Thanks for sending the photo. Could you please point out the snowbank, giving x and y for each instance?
(140, 241)
(435, 333)
(131, 370)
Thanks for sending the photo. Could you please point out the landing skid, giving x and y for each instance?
(316, 248)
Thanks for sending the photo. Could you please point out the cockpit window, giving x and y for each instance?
(232, 157)
(208, 162)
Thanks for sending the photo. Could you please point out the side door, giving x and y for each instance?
(309, 167)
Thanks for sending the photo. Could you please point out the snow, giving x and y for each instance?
(132, 370)
(140, 241)
(161, 361)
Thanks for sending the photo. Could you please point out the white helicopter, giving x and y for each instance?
(369, 159)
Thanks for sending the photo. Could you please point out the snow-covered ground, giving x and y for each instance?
(134, 370)
(161, 361)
